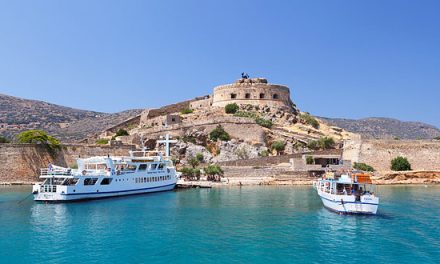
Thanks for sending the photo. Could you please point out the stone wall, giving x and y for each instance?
(252, 93)
(422, 154)
(169, 109)
(22, 162)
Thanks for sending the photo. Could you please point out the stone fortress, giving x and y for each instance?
(255, 91)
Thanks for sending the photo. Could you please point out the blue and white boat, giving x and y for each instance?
(100, 177)
(348, 193)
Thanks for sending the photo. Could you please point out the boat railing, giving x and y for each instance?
(55, 172)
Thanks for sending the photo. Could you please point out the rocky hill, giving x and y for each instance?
(68, 124)
(383, 128)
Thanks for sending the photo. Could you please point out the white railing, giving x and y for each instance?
(55, 172)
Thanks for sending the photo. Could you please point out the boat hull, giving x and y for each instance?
(63, 197)
(349, 207)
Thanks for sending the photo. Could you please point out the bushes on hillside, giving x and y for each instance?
(321, 144)
(400, 164)
(39, 137)
(119, 133)
(278, 146)
(186, 111)
(264, 122)
(310, 120)
(4, 140)
(102, 141)
(362, 167)
(310, 160)
(219, 133)
(231, 108)
(214, 172)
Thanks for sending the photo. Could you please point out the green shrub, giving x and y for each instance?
(219, 133)
(400, 164)
(310, 120)
(194, 162)
(119, 133)
(264, 153)
(191, 173)
(231, 108)
(102, 141)
(310, 160)
(187, 139)
(278, 146)
(214, 172)
(323, 143)
(264, 122)
(313, 144)
(186, 111)
(362, 167)
(4, 140)
(200, 157)
(40, 137)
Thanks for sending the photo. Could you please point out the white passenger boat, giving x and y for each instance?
(100, 177)
(351, 193)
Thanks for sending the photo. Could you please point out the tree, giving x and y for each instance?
(194, 162)
(214, 172)
(191, 173)
(200, 157)
(362, 167)
(400, 164)
(4, 139)
(219, 133)
(310, 160)
(278, 146)
(231, 108)
(322, 143)
(119, 133)
(39, 137)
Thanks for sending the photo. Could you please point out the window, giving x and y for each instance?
(142, 167)
(145, 179)
(106, 181)
(161, 166)
(173, 119)
(90, 181)
(247, 96)
(153, 166)
(275, 96)
(261, 95)
(233, 96)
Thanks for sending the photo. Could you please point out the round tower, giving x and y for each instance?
(255, 91)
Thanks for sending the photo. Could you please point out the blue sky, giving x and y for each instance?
(349, 59)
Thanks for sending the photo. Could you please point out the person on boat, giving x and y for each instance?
(49, 167)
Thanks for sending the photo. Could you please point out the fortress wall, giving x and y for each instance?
(422, 154)
(169, 109)
(250, 94)
(22, 162)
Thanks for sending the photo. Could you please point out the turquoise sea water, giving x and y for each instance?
(226, 225)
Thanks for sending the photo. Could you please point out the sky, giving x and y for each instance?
(347, 59)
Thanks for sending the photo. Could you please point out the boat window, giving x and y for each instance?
(106, 181)
(142, 167)
(145, 179)
(153, 166)
(71, 182)
(161, 166)
(90, 181)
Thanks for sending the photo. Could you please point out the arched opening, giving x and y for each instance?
(247, 96)
(233, 96)
(275, 96)
(261, 95)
